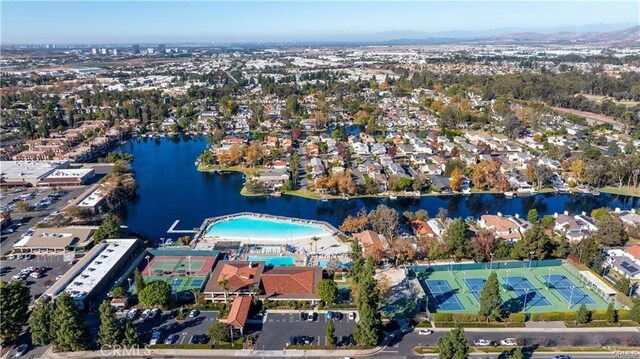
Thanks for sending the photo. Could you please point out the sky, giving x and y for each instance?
(77, 22)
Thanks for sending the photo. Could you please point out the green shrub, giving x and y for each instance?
(517, 318)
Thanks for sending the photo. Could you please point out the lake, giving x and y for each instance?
(170, 188)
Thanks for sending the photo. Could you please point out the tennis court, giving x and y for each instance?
(179, 284)
(529, 294)
(474, 286)
(569, 290)
(443, 295)
(458, 289)
(179, 265)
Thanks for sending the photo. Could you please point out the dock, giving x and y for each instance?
(184, 231)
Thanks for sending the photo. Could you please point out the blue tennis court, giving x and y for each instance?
(474, 285)
(443, 295)
(529, 294)
(564, 286)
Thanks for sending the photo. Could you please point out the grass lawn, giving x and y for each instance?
(624, 190)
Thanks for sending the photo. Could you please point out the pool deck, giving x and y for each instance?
(327, 245)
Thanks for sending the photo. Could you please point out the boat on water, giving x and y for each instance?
(393, 196)
(277, 194)
(509, 194)
(324, 199)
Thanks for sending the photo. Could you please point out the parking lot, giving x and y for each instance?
(167, 325)
(277, 328)
(54, 264)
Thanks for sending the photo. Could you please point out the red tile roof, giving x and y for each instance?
(292, 282)
(240, 275)
(239, 312)
(634, 250)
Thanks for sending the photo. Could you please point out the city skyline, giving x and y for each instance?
(188, 22)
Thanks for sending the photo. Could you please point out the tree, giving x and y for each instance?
(138, 280)
(532, 215)
(455, 181)
(220, 332)
(118, 292)
(130, 334)
(328, 291)
(483, 244)
(456, 239)
(634, 314)
(109, 333)
(356, 224)
(224, 284)
(357, 262)
(40, 323)
(454, 344)
(155, 293)
(68, 328)
(611, 314)
(421, 215)
(623, 285)
(367, 331)
(517, 353)
(14, 309)
(331, 333)
(490, 301)
(22, 207)
(110, 228)
(385, 221)
(535, 243)
(582, 315)
(611, 232)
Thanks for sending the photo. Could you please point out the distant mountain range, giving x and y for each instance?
(627, 34)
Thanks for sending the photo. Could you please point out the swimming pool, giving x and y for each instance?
(247, 227)
(274, 261)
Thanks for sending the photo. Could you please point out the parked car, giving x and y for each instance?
(132, 314)
(155, 338)
(311, 316)
(338, 315)
(35, 275)
(21, 350)
(292, 341)
(352, 316)
(194, 313)
(329, 315)
(482, 342)
(509, 342)
(172, 338)
(425, 332)
(199, 339)
(155, 312)
(145, 314)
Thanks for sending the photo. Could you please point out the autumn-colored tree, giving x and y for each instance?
(455, 181)
(362, 117)
(577, 167)
(235, 154)
(254, 154)
(353, 224)
(483, 244)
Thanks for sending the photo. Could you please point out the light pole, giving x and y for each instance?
(464, 273)
(530, 255)
(571, 297)
(549, 278)
(189, 259)
(526, 294)
(580, 255)
(129, 281)
(491, 262)
(147, 257)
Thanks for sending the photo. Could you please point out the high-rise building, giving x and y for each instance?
(94, 51)
(135, 49)
(162, 48)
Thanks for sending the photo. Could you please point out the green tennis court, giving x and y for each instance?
(180, 284)
(178, 265)
(536, 295)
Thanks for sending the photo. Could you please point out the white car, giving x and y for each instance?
(311, 317)
(145, 314)
(482, 342)
(352, 316)
(19, 277)
(35, 275)
(509, 342)
(425, 332)
(172, 338)
(132, 313)
(25, 271)
(155, 338)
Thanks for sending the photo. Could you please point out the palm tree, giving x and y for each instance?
(195, 292)
(224, 284)
(315, 240)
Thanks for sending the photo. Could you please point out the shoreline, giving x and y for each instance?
(308, 194)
